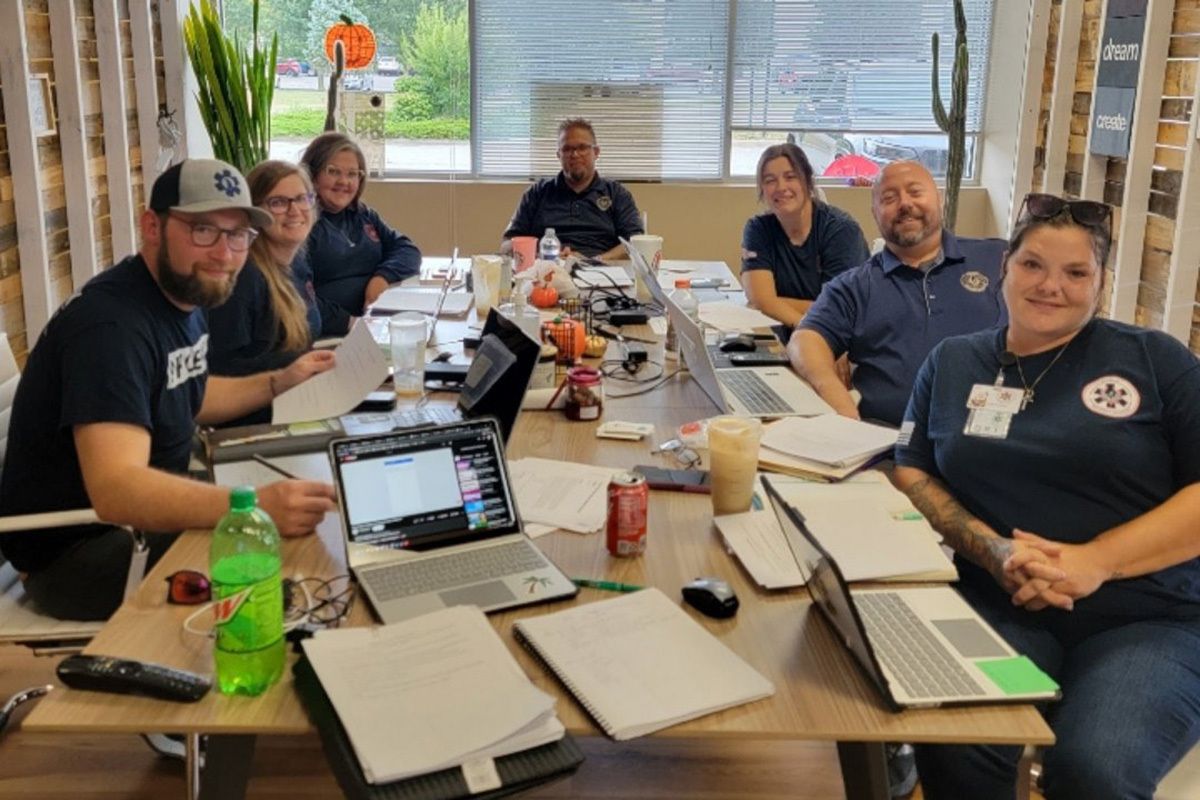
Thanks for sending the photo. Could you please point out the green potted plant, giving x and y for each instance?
(236, 85)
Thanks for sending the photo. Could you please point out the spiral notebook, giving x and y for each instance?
(638, 663)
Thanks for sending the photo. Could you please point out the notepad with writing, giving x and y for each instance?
(638, 663)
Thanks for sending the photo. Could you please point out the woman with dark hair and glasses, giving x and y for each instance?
(1060, 457)
(271, 317)
(353, 252)
(789, 252)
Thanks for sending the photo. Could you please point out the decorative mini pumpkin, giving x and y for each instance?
(357, 40)
(596, 346)
(568, 335)
(544, 296)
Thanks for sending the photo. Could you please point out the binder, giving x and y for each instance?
(518, 771)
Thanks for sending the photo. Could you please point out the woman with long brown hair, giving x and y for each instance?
(272, 316)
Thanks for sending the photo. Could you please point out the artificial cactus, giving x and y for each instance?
(954, 122)
(335, 81)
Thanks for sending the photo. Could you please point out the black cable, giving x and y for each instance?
(647, 390)
(612, 368)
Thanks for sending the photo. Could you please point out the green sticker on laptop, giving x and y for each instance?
(1017, 675)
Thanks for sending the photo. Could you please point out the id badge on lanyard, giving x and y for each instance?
(991, 409)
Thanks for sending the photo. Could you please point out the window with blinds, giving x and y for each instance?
(649, 74)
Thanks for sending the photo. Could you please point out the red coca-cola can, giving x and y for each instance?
(628, 505)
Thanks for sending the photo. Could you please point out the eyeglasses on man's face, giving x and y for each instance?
(278, 204)
(576, 149)
(337, 173)
(205, 234)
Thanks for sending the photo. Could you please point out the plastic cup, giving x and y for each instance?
(408, 333)
(733, 462)
(485, 281)
(524, 250)
(650, 247)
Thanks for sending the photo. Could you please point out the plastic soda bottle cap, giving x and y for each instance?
(242, 498)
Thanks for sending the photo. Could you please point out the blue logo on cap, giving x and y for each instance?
(227, 182)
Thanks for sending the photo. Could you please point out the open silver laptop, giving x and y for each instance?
(921, 647)
(429, 521)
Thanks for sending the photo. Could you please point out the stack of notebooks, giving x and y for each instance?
(828, 447)
(638, 663)
(434, 708)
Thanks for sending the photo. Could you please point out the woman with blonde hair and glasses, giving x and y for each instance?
(272, 316)
(353, 252)
(1060, 457)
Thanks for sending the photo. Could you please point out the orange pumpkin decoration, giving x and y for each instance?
(566, 334)
(358, 43)
(544, 296)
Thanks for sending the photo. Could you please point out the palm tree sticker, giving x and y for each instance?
(534, 582)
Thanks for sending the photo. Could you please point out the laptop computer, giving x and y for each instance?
(495, 385)
(921, 647)
(429, 520)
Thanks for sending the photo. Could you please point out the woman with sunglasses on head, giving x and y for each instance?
(791, 251)
(1060, 457)
(353, 252)
(272, 316)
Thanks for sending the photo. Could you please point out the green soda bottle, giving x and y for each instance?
(248, 594)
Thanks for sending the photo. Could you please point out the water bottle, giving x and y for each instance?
(549, 247)
(248, 594)
(686, 301)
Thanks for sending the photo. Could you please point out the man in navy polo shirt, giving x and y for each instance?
(588, 213)
(888, 313)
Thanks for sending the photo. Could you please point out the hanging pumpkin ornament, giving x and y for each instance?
(357, 40)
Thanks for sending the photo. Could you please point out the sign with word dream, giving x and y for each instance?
(1119, 59)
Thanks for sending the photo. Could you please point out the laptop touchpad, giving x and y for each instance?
(969, 638)
(483, 595)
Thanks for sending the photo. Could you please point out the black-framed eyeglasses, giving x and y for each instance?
(278, 204)
(205, 234)
(1090, 213)
(575, 149)
(337, 173)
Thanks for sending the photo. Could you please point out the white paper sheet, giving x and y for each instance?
(402, 298)
(755, 538)
(829, 438)
(561, 494)
(730, 317)
(361, 367)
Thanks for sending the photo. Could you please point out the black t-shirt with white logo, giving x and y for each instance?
(118, 351)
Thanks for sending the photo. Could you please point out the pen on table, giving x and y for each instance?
(608, 586)
(271, 465)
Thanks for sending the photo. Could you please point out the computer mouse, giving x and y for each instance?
(738, 343)
(712, 597)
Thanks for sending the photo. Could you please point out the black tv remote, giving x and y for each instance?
(760, 358)
(123, 676)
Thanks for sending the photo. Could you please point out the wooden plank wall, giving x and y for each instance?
(55, 185)
(1171, 146)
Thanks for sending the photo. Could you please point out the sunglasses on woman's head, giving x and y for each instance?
(188, 588)
(1084, 212)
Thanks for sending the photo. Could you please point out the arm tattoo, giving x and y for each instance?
(962, 530)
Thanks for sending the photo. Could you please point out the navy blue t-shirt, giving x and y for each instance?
(589, 221)
(834, 244)
(345, 250)
(1112, 432)
(118, 351)
(887, 316)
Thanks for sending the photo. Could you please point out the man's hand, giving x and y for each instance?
(303, 368)
(1081, 571)
(297, 507)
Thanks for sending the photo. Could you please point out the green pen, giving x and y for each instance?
(608, 586)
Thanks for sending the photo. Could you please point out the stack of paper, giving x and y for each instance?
(733, 317)
(401, 298)
(561, 494)
(829, 439)
(430, 693)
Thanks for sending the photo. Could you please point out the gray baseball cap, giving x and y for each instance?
(196, 185)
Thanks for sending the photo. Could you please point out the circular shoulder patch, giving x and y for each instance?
(974, 281)
(604, 202)
(1111, 396)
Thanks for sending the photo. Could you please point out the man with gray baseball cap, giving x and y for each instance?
(105, 411)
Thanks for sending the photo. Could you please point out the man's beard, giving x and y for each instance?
(893, 234)
(190, 290)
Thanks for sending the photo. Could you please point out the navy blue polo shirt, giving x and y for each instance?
(834, 244)
(589, 221)
(887, 316)
(1113, 431)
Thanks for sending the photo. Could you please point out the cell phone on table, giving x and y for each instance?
(381, 400)
(675, 480)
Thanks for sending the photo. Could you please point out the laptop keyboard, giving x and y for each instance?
(922, 664)
(414, 418)
(753, 392)
(407, 578)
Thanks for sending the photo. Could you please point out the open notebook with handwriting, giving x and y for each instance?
(638, 663)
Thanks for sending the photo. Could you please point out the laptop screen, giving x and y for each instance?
(500, 372)
(424, 488)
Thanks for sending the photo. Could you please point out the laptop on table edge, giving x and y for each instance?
(943, 618)
(417, 504)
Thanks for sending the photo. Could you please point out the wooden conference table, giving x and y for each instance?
(820, 692)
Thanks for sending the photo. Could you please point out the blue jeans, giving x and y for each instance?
(1130, 706)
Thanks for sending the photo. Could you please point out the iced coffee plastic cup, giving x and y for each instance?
(733, 462)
